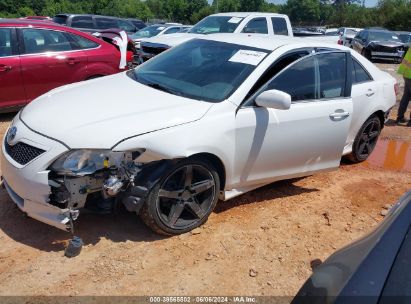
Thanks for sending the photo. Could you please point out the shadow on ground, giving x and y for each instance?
(124, 226)
(280, 189)
(7, 117)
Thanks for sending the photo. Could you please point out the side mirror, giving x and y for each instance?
(274, 99)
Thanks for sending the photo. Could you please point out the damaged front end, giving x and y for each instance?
(96, 181)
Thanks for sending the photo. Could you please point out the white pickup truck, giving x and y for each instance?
(266, 24)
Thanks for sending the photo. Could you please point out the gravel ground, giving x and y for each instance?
(262, 243)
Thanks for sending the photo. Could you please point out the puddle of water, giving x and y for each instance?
(391, 155)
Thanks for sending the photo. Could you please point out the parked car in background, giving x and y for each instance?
(139, 24)
(377, 43)
(158, 30)
(347, 34)
(375, 269)
(210, 119)
(405, 37)
(94, 23)
(331, 32)
(268, 24)
(37, 56)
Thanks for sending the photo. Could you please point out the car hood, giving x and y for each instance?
(102, 112)
(172, 39)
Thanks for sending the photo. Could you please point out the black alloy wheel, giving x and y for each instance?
(366, 140)
(183, 199)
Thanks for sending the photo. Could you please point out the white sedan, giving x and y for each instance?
(210, 119)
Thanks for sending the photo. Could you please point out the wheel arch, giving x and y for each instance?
(217, 162)
(381, 116)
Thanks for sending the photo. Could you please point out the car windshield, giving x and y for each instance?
(216, 24)
(383, 36)
(149, 31)
(200, 69)
(406, 38)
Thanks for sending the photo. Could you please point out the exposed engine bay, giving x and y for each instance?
(96, 180)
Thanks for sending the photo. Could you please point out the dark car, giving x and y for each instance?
(376, 43)
(405, 38)
(374, 269)
(139, 24)
(94, 23)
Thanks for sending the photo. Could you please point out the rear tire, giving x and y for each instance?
(183, 198)
(366, 140)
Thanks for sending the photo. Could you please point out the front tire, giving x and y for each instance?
(183, 199)
(366, 54)
(366, 140)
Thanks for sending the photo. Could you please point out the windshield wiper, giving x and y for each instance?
(160, 87)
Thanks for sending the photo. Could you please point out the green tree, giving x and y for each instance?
(303, 10)
(251, 5)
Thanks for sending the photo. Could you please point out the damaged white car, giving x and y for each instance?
(209, 119)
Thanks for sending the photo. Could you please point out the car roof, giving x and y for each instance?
(93, 15)
(403, 33)
(28, 22)
(246, 14)
(270, 43)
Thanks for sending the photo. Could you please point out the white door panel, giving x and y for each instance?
(364, 95)
(286, 143)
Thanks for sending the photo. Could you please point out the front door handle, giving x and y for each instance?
(370, 93)
(339, 115)
(5, 68)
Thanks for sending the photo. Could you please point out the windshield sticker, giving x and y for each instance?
(248, 57)
(160, 28)
(235, 20)
(394, 37)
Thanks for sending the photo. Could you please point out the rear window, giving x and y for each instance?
(106, 23)
(60, 19)
(82, 22)
(280, 26)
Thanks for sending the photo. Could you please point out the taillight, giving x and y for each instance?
(396, 89)
(340, 42)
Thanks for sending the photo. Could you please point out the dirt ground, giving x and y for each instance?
(262, 243)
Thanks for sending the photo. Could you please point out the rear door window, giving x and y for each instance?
(279, 26)
(256, 26)
(41, 41)
(105, 23)
(82, 22)
(5, 42)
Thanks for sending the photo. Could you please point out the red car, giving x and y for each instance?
(37, 56)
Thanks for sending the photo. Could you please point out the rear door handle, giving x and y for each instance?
(72, 61)
(5, 68)
(339, 115)
(370, 93)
